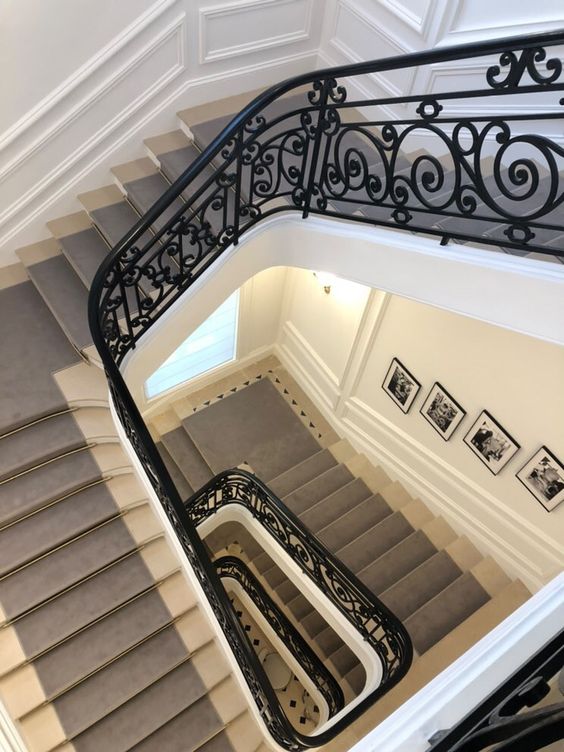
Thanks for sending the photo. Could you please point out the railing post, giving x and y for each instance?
(323, 96)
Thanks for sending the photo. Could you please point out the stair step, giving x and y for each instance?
(356, 678)
(299, 607)
(445, 612)
(63, 568)
(420, 585)
(36, 488)
(184, 489)
(335, 505)
(301, 474)
(34, 536)
(82, 244)
(61, 289)
(102, 642)
(187, 457)
(351, 525)
(287, 591)
(314, 623)
(130, 726)
(343, 659)
(112, 214)
(397, 562)
(38, 443)
(365, 549)
(75, 609)
(328, 641)
(304, 497)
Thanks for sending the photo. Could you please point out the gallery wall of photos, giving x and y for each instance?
(542, 474)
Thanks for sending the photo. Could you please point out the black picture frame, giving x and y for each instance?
(493, 435)
(400, 385)
(445, 424)
(548, 490)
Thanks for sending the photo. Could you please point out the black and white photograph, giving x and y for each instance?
(491, 443)
(442, 411)
(543, 476)
(400, 385)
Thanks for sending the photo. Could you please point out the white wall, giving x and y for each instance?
(83, 83)
(340, 346)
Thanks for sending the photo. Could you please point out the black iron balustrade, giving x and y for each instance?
(379, 628)
(500, 720)
(231, 567)
(342, 157)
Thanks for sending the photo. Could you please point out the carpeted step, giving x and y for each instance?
(287, 591)
(420, 585)
(83, 246)
(445, 612)
(187, 458)
(299, 607)
(314, 623)
(53, 526)
(351, 525)
(75, 609)
(112, 214)
(42, 485)
(130, 726)
(178, 734)
(302, 473)
(27, 389)
(65, 294)
(306, 496)
(39, 442)
(356, 678)
(362, 551)
(328, 641)
(95, 697)
(397, 562)
(39, 581)
(240, 428)
(102, 642)
(182, 486)
(335, 505)
(343, 659)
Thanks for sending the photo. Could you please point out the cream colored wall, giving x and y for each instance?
(339, 346)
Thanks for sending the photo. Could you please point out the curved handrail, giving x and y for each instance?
(135, 286)
(327, 685)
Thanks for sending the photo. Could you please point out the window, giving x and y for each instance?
(211, 345)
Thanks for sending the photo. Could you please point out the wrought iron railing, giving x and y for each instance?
(313, 159)
(379, 628)
(502, 718)
(322, 678)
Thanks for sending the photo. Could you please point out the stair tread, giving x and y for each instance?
(145, 191)
(188, 459)
(50, 527)
(356, 678)
(328, 641)
(420, 585)
(39, 442)
(66, 296)
(343, 659)
(115, 220)
(46, 577)
(75, 609)
(148, 711)
(351, 525)
(300, 474)
(397, 562)
(445, 612)
(35, 489)
(95, 697)
(304, 497)
(85, 250)
(335, 505)
(362, 551)
(101, 642)
(184, 488)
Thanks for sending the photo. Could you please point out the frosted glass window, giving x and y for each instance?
(211, 345)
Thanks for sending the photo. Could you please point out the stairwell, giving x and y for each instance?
(102, 640)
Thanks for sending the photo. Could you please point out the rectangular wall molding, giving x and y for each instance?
(246, 22)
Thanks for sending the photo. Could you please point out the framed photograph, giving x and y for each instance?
(491, 443)
(543, 476)
(442, 411)
(400, 385)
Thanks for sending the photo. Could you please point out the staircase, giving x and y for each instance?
(102, 640)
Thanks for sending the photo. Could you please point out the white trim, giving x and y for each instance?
(449, 696)
(10, 739)
(205, 14)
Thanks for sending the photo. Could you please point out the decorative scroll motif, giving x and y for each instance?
(378, 626)
(493, 180)
(229, 566)
(504, 718)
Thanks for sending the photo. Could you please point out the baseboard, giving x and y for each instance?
(522, 550)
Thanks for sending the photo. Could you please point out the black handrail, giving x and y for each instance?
(135, 286)
(327, 685)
